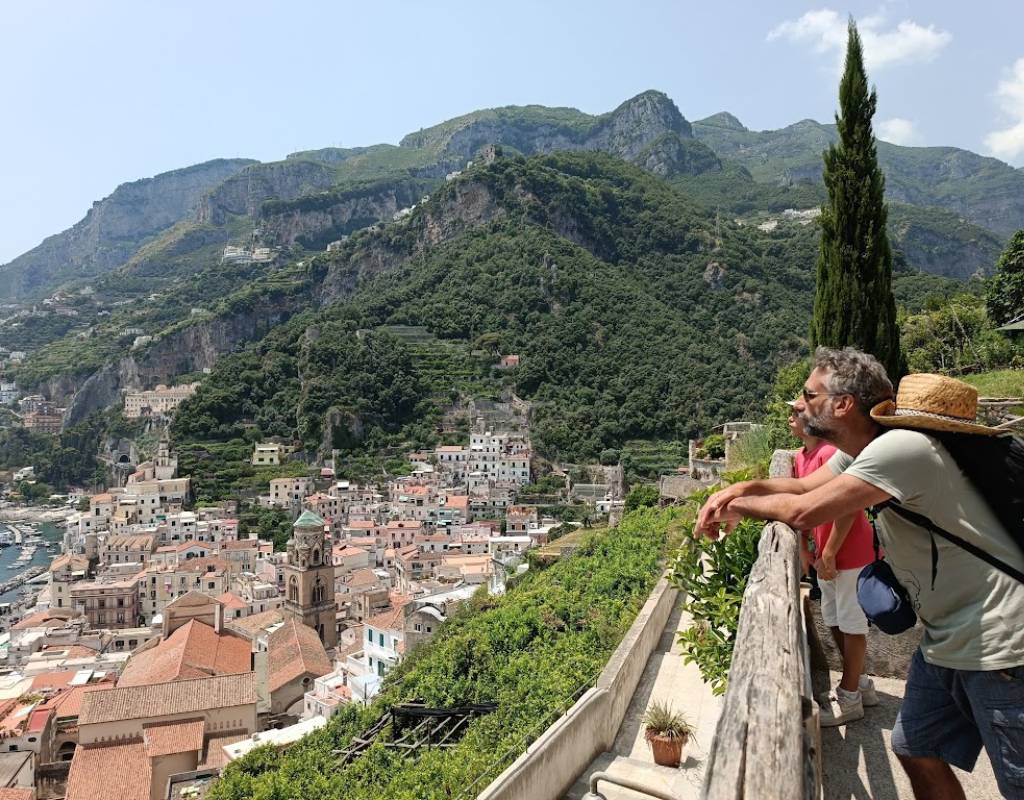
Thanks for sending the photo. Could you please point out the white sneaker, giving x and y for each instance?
(842, 707)
(868, 695)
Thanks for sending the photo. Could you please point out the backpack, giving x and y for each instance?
(995, 467)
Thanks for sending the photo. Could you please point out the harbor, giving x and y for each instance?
(26, 550)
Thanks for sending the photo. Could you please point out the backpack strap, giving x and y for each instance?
(923, 522)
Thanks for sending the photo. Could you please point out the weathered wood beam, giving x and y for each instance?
(759, 750)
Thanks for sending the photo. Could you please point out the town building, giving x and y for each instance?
(107, 602)
(162, 400)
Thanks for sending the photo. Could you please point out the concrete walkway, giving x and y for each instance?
(667, 679)
(857, 763)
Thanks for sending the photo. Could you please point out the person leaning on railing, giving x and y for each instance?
(965, 689)
(842, 547)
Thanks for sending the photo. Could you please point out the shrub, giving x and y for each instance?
(713, 574)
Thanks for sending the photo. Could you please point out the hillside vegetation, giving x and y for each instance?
(631, 319)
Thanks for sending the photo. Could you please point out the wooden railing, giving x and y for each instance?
(767, 742)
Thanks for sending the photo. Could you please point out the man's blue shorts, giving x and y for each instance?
(951, 713)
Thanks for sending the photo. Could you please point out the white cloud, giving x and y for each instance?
(825, 31)
(1008, 143)
(898, 131)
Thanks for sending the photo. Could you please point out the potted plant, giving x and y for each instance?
(666, 732)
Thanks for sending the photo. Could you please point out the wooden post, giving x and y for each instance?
(762, 747)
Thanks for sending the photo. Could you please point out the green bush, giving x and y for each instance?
(713, 576)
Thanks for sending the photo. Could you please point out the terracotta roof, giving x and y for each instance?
(195, 650)
(73, 562)
(232, 600)
(390, 620)
(362, 577)
(361, 524)
(37, 719)
(101, 498)
(176, 697)
(457, 501)
(112, 771)
(294, 650)
(167, 738)
(71, 651)
(44, 619)
(253, 624)
(13, 793)
(215, 755)
(138, 541)
(347, 551)
(192, 599)
(69, 702)
(241, 544)
(398, 524)
(54, 680)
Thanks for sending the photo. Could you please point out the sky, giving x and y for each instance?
(94, 94)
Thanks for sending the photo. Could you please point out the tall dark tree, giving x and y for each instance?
(853, 303)
(1004, 291)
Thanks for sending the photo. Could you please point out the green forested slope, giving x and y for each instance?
(632, 316)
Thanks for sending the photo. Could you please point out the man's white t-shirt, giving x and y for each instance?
(974, 616)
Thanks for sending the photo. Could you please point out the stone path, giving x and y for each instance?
(665, 678)
(857, 763)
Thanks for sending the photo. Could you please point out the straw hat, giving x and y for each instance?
(933, 403)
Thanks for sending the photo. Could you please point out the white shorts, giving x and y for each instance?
(839, 606)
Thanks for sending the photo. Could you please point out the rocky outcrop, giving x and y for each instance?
(114, 228)
(189, 350)
(625, 132)
(243, 194)
(463, 206)
(671, 155)
(316, 220)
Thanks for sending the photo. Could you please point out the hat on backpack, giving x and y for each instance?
(933, 403)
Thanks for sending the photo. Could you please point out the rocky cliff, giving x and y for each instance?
(244, 193)
(114, 228)
(986, 191)
(315, 220)
(188, 350)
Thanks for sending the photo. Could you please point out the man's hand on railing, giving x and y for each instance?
(710, 524)
(713, 506)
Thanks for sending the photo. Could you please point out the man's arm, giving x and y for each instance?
(840, 497)
(717, 502)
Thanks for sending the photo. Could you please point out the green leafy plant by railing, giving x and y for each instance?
(713, 576)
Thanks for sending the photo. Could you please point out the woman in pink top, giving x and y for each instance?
(842, 548)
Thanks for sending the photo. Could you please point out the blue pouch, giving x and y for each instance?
(884, 600)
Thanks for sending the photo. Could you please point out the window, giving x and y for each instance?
(380, 639)
(369, 635)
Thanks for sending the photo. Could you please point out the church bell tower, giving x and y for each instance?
(309, 579)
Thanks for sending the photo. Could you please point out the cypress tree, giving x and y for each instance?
(853, 302)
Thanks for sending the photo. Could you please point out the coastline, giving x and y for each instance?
(35, 514)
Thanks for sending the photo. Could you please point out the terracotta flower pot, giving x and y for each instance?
(668, 751)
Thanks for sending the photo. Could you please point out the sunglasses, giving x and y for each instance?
(808, 395)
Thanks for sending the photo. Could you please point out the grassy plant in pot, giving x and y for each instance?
(666, 732)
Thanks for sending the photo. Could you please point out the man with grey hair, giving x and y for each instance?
(965, 689)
